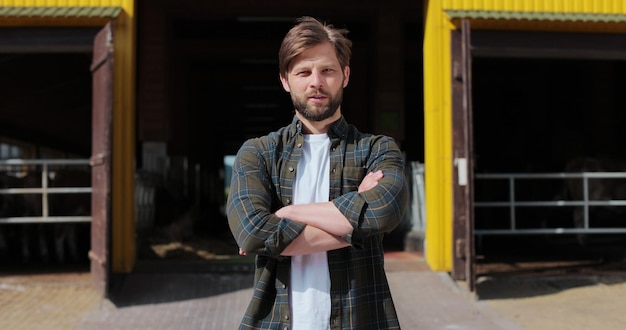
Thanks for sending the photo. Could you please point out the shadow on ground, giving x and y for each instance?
(522, 268)
(527, 287)
(168, 270)
(154, 288)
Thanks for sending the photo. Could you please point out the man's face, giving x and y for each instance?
(316, 81)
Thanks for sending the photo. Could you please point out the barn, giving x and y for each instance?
(513, 91)
(157, 95)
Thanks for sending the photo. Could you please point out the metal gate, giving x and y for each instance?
(44, 168)
(515, 225)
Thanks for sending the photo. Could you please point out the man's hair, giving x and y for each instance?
(309, 32)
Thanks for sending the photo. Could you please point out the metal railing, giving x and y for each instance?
(17, 165)
(512, 204)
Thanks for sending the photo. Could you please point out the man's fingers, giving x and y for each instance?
(377, 174)
(370, 181)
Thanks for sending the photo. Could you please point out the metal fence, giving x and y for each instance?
(44, 167)
(515, 225)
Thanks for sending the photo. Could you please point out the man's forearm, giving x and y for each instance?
(324, 216)
(313, 240)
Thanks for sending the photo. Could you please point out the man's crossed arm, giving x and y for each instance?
(325, 223)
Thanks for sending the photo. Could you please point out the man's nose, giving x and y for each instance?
(316, 79)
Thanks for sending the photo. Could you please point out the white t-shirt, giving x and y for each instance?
(310, 278)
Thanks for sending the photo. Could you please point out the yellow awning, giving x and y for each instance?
(60, 12)
(536, 16)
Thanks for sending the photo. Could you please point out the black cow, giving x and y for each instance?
(68, 234)
(599, 189)
(37, 236)
(16, 206)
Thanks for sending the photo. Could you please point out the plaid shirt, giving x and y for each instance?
(263, 175)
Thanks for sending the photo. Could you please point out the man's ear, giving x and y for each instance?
(346, 76)
(285, 83)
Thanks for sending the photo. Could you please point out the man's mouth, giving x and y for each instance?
(318, 97)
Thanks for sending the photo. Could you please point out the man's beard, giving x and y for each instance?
(317, 115)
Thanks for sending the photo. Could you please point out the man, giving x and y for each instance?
(314, 199)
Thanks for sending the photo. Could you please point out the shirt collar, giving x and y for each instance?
(338, 128)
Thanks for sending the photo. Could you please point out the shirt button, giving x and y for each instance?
(286, 317)
(288, 201)
(334, 170)
(290, 169)
(284, 287)
(299, 145)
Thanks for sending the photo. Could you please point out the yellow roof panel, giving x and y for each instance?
(536, 16)
(60, 12)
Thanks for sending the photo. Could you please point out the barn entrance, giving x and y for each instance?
(45, 125)
(208, 80)
(538, 102)
(223, 74)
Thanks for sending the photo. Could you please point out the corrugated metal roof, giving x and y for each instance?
(536, 16)
(60, 12)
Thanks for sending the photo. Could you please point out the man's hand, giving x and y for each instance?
(370, 181)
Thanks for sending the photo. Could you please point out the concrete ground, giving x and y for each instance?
(183, 299)
(560, 302)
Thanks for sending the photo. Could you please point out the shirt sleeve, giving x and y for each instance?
(380, 209)
(251, 204)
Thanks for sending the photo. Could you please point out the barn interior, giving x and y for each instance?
(537, 115)
(45, 102)
(222, 68)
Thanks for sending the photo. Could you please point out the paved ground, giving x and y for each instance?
(180, 299)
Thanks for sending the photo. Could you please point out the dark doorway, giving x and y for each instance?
(534, 115)
(45, 113)
(208, 80)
